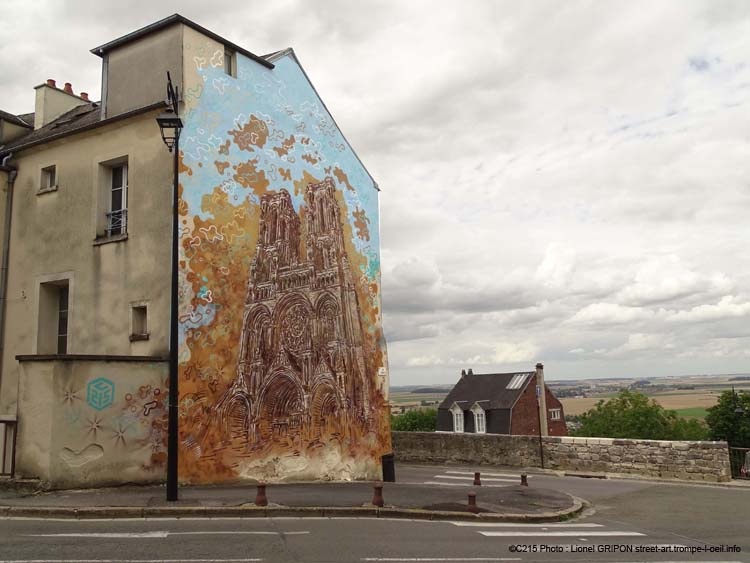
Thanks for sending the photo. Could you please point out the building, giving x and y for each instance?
(502, 403)
(282, 360)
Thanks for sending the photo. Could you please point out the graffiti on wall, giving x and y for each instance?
(281, 338)
(116, 420)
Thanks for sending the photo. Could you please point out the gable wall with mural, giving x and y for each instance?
(283, 369)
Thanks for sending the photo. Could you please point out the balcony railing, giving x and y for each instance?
(117, 222)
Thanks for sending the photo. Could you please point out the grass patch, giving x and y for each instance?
(694, 412)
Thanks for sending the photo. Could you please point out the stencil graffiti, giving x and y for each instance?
(100, 393)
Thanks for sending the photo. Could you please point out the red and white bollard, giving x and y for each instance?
(377, 494)
(260, 496)
(472, 507)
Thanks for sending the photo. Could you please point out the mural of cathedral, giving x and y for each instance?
(282, 363)
(301, 372)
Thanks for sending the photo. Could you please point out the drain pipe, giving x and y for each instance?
(12, 173)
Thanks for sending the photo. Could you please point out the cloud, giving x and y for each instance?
(551, 189)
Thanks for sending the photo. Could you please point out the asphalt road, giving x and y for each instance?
(628, 515)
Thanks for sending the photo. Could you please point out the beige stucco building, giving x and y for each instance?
(85, 220)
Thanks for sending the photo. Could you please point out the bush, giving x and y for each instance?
(633, 415)
(417, 420)
(728, 424)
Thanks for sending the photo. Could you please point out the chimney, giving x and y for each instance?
(470, 372)
(541, 399)
(51, 102)
(463, 373)
(85, 96)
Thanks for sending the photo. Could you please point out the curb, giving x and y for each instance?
(252, 511)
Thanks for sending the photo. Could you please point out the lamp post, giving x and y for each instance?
(170, 126)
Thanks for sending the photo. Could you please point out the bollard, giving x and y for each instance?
(377, 495)
(524, 480)
(260, 496)
(477, 480)
(473, 503)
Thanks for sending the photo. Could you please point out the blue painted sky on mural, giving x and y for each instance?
(562, 181)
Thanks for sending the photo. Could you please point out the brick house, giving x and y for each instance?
(501, 403)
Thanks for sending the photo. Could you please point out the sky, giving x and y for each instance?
(562, 181)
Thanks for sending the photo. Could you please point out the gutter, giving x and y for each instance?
(12, 173)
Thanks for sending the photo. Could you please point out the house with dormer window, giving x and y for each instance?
(502, 403)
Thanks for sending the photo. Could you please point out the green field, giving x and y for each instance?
(695, 412)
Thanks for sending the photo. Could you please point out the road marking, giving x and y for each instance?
(482, 474)
(577, 533)
(483, 478)
(440, 559)
(102, 535)
(182, 560)
(448, 484)
(162, 534)
(514, 525)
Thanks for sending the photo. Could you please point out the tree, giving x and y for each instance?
(417, 420)
(726, 423)
(633, 415)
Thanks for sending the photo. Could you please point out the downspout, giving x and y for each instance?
(6, 249)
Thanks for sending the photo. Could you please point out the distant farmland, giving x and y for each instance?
(688, 404)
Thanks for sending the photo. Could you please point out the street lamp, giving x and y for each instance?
(170, 126)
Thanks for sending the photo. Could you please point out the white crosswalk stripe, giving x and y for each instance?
(483, 474)
(559, 533)
(472, 479)
(466, 479)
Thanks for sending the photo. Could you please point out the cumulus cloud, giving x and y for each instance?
(551, 188)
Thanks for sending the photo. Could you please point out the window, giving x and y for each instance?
(229, 63)
(139, 323)
(49, 179)
(62, 320)
(117, 216)
(480, 421)
(54, 312)
(555, 414)
(458, 418)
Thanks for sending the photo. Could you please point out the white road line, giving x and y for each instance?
(577, 533)
(533, 526)
(518, 476)
(182, 560)
(449, 484)
(440, 559)
(469, 478)
(102, 535)
(162, 534)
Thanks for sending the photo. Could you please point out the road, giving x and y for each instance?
(627, 514)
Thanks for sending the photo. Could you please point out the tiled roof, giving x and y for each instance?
(14, 119)
(76, 118)
(498, 390)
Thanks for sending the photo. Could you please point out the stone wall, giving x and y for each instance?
(694, 461)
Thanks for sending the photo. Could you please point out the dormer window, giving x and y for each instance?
(480, 420)
(458, 418)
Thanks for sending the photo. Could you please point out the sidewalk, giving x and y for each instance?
(309, 499)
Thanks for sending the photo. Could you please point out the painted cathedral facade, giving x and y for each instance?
(301, 372)
(283, 366)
